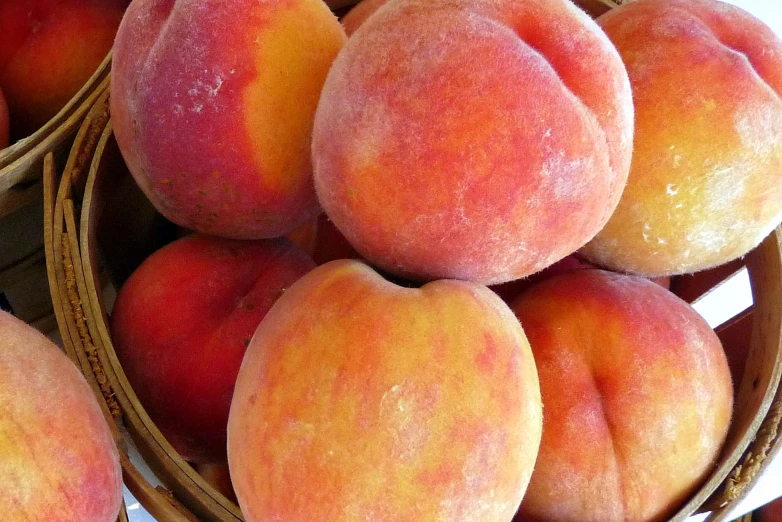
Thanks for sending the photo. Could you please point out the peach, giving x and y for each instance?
(213, 104)
(4, 129)
(705, 186)
(473, 139)
(50, 49)
(182, 323)
(58, 460)
(358, 15)
(362, 400)
(637, 395)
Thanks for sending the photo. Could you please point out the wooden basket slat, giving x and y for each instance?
(75, 347)
(65, 248)
(49, 197)
(157, 503)
(75, 287)
(762, 373)
(753, 466)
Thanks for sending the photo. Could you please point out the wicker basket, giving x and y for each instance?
(99, 227)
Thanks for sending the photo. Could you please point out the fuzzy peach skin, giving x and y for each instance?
(705, 186)
(362, 400)
(473, 139)
(4, 129)
(213, 104)
(637, 396)
(58, 460)
(182, 323)
(50, 49)
(360, 13)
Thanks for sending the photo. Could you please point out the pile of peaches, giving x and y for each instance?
(48, 51)
(425, 255)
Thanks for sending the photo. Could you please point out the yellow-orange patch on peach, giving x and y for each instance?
(280, 104)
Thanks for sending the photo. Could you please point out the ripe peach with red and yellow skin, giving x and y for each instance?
(358, 15)
(362, 400)
(637, 395)
(212, 105)
(182, 323)
(58, 460)
(4, 129)
(432, 161)
(50, 49)
(705, 186)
